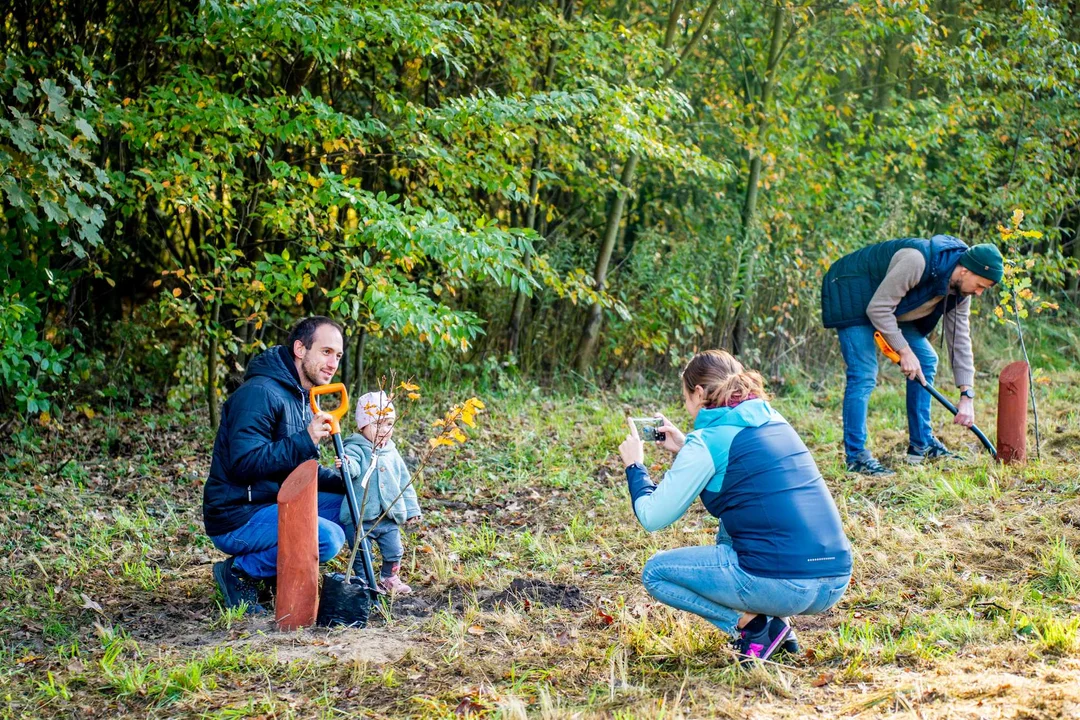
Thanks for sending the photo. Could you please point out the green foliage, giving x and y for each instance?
(439, 175)
(54, 208)
(47, 138)
(27, 362)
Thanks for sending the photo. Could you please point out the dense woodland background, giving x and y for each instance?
(544, 189)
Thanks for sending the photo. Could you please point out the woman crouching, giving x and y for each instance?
(780, 550)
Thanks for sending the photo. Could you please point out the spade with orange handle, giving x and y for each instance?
(350, 493)
(887, 350)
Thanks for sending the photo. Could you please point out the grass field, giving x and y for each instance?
(965, 601)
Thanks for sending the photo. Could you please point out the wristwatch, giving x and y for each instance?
(969, 393)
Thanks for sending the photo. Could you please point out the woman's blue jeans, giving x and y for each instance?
(861, 358)
(255, 544)
(708, 581)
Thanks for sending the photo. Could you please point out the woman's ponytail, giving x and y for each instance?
(725, 381)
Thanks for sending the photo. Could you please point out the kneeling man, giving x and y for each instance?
(267, 430)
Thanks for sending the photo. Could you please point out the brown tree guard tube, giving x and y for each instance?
(1012, 413)
(297, 599)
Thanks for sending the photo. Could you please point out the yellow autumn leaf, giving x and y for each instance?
(45, 418)
(157, 283)
(299, 298)
(408, 386)
(1017, 217)
(458, 435)
(413, 396)
(176, 292)
(436, 442)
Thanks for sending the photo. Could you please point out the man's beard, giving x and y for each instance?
(311, 373)
(954, 289)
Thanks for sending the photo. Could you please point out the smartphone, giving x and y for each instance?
(647, 428)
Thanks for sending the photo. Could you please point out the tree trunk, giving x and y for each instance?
(530, 222)
(358, 383)
(749, 209)
(518, 312)
(886, 78)
(590, 333)
(211, 367)
(346, 365)
(1074, 281)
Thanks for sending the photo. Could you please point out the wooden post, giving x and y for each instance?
(297, 600)
(1012, 413)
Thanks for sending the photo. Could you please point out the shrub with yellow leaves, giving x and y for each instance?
(1015, 295)
(451, 432)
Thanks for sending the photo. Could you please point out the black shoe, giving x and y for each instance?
(237, 587)
(761, 637)
(934, 451)
(869, 465)
(790, 644)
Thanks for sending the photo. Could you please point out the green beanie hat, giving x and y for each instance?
(984, 260)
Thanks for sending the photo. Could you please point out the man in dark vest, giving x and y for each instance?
(267, 429)
(902, 288)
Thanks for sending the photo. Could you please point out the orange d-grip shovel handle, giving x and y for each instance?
(338, 412)
(885, 348)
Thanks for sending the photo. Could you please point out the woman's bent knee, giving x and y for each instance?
(654, 573)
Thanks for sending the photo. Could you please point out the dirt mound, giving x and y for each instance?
(521, 592)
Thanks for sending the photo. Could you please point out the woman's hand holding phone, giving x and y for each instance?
(674, 438)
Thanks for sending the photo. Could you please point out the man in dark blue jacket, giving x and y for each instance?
(267, 430)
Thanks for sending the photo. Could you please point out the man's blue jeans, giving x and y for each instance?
(861, 358)
(708, 581)
(255, 544)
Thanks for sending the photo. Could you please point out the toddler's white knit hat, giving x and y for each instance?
(372, 407)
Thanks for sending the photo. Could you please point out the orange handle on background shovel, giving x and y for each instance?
(885, 348)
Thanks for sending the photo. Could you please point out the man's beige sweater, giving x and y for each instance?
(905, 271)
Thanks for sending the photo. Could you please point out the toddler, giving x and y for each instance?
(388, 488)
